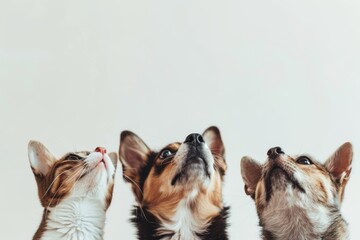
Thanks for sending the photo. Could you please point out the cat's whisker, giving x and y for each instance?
(71, 177)
(78, 178)
(52, 183)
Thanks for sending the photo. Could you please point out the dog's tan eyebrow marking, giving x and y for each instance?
(304, 155)
(161, 164)
(173, 146)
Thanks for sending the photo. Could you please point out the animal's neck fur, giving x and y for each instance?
(301, 220)
(188, 221)
(75, 218)
(148, 226)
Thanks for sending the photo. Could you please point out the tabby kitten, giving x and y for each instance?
(75, 191)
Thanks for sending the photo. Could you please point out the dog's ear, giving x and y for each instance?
(339, 166)
(251, 172)
(134, 154)
(213, 139)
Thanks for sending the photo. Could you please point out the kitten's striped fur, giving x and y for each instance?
(74, 190)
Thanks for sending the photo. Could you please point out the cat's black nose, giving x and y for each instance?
(194, 139)
(274, 152)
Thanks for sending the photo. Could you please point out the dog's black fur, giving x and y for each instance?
(147, 225)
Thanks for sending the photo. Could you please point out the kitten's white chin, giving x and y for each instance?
(94, 184)
(98, 162)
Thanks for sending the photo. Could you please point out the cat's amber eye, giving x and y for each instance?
(304, 160)
(72, 156)
(166, 153)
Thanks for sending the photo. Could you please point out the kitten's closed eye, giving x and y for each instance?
(73, 156)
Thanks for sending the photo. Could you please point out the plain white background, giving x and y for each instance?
(74, 74)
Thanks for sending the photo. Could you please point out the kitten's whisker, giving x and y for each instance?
(80, 175)
(71, 177)
(54, 181)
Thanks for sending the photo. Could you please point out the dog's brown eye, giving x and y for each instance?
(304, 161)
(165, 154)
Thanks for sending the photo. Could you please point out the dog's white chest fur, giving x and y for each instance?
(76, 218)
(184, 224)
(294, 217)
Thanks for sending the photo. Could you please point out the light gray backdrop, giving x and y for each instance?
(74, 74)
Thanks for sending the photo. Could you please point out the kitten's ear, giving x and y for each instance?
(212, 137)
(134, 154)
(40, 158)
(251, 172)
(114, 158)
(339, 165)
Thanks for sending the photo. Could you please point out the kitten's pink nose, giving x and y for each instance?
(100, 150)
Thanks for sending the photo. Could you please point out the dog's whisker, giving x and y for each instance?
(131, 180)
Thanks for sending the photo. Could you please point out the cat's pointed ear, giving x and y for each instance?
(339, 165)
(133, 154)
(212, 138)
(114, 158)
(251, 172)
(40, 158)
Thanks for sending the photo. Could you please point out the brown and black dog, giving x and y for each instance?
(297, 197)
(179, 188)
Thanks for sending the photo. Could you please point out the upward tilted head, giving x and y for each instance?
(297, 197)
(179, 186)
(75, 191)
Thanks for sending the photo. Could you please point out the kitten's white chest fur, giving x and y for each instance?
(76, 219)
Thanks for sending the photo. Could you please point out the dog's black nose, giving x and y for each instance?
(274, 152)
(194, 138)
